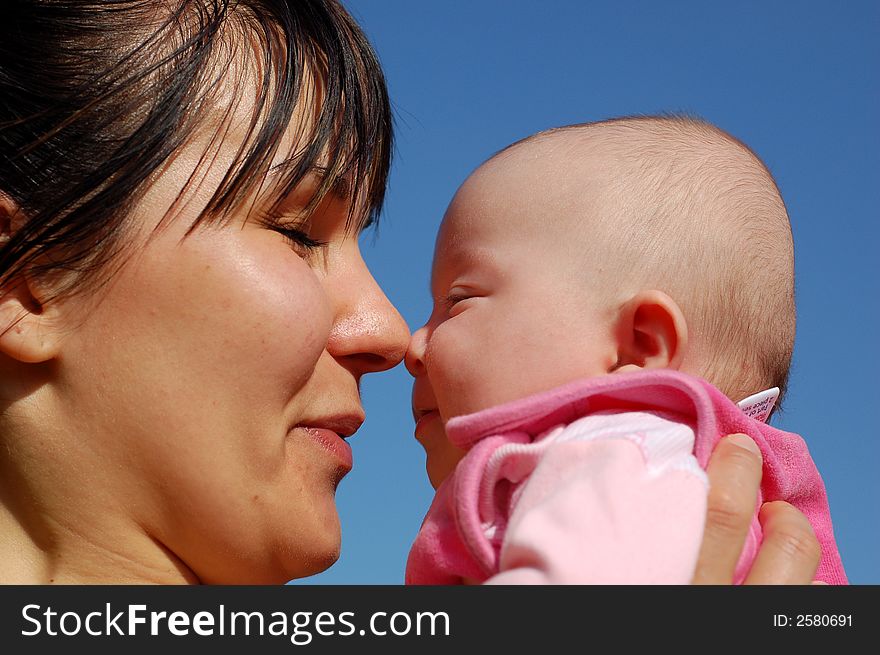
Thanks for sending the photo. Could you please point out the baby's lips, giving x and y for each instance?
(423, 400)
(423, 418)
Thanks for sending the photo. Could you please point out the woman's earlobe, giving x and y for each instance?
(651, 332)
(27, 328)
(28, 332)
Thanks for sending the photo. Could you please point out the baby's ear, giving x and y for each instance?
(651, 332)
(27, 331)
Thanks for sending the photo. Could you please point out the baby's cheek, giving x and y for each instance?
(453, 370)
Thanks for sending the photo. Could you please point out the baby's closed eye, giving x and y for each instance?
(457, 300)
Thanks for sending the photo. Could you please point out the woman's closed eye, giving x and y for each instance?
(298, 237)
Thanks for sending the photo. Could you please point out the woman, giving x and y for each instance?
(185, 313)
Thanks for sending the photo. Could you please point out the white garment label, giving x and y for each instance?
(760, 404)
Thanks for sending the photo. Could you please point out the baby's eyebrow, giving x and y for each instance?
(434, 283)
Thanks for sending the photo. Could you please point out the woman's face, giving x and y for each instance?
(216, 376)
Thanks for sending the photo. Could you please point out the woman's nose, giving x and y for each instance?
(415, 354)
(369, 333)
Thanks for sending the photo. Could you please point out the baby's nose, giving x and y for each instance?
(415, 353)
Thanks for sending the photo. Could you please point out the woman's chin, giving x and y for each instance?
(300, 559)
(299, 565)
(299, 551)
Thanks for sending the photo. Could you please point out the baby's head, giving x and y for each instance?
(637, 243)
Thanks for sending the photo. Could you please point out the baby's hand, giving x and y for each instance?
(789, 552)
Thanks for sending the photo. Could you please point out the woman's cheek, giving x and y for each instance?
(310, 317)
(295, 315)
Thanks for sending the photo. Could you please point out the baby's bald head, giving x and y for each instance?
(678, 205)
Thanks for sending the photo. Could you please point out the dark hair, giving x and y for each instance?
(95, 96)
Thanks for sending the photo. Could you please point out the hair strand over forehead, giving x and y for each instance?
(96, 96)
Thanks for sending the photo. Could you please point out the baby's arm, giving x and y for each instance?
(616, 499)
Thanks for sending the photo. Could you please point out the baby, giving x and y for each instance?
(589, 283)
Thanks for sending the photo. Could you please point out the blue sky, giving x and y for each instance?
(797, 81)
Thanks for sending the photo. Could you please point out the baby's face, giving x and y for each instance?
(513, 310)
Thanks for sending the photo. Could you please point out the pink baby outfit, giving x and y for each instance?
(602, 481)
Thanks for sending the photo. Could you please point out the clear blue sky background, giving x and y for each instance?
(798, 81)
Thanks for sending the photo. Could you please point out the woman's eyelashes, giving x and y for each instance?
(298, 238)
(295, 234)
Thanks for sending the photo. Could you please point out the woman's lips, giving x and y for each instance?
(332, 443)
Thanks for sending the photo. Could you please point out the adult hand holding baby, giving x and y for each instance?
(789, 553)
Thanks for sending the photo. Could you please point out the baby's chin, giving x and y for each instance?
(441, 461)
(441, 456)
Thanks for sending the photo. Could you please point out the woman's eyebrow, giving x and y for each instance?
(340, 188)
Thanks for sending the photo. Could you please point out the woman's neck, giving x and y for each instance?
(58, 527)
(81, 552)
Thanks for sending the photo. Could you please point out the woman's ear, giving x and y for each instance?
(28, 330)
(651, 332)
